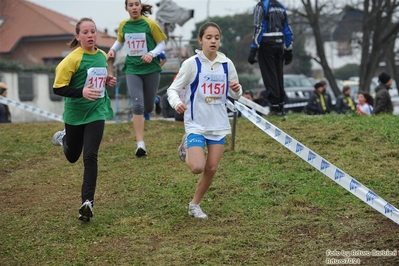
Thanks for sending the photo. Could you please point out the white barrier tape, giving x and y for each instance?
(231, 106)
(30, 109)
(253, 105)
(321, 164)
(265, 110)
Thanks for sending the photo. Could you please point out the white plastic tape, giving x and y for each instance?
(30, 109)
(265, 110)
(253, 105)
(231, 106)
(321, 164)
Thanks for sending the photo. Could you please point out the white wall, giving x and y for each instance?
(42, 100)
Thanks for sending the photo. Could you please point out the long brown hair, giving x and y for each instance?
(74, 42)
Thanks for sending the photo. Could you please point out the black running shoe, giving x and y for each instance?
(86, 211)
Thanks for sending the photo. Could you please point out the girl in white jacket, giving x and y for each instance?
(209, 77)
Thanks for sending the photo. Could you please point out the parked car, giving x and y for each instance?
(297, 98)
(294, 80)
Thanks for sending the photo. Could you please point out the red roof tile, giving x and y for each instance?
(25, 19)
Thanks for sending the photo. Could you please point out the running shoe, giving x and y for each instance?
(140, 150)
(195, 211)
(86, 211)
(57, 138)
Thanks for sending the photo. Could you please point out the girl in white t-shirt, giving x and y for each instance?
(208, 77)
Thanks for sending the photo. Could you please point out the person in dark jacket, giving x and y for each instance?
(382, 101)
(327, 96)
(345, 103)
(318, 103)
(273, 39)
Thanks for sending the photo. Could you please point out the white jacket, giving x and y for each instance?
(185, 77)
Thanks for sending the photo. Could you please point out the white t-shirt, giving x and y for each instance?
(365, 109)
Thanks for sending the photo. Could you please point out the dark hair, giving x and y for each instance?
(202, 29)
(369, 98)
(345, 88)
(318, 85)
(145, 10)
(250, 93)
(323, 82)
(75, 42)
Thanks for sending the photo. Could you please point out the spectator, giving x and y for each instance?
(249, 95)
(5, 115)
(273, 38)
(383, 102)
(345, 102)
(327, 96)
(318, 101)
(365, 103)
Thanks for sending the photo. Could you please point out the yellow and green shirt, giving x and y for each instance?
(77, 70)
(140, 36)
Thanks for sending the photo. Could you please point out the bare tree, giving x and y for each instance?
(380, 27)
(313, 12)
(379, 33)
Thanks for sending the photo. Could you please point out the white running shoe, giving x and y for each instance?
(140, 150)
(57, 138)
(181, 151)
(195, 210)
(86, 211)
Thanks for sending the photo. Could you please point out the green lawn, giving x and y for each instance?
(266, 206)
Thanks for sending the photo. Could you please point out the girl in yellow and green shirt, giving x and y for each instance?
(81, 78)
(144, 40)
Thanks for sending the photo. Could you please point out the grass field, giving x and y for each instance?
(266, 206)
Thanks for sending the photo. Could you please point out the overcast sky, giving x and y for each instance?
(109, 13)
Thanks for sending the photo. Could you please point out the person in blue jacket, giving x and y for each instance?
(272, 42)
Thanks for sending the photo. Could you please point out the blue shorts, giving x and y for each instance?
(196, 140)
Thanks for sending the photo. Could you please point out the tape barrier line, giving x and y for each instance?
(253, 105)
(265, 110)
(31, 109)
(321, 164)
(231, 106)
